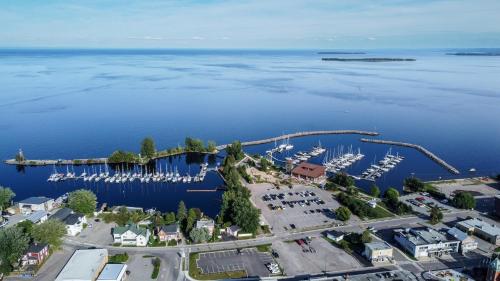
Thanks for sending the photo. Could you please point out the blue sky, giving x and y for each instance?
(250, 24)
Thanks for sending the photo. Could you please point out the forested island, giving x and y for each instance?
(341, 53)
(473, 54)
(368, 59)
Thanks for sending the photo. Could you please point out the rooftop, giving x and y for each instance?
(424, 236)
(36, 247)
(491, 229)
(72, 219)
(171, 228)
(36, 216)
(458, 234)
(83, 265)
(132, 227)
(309, 170)
(61, 214)
(112, 271)
(205, 223)
(375, 246)
(35, 200)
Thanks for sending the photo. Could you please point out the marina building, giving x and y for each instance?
(377, 252)
(310, 172)
(467, 243)
(84, 265)
(34, 204)
(426, 242)
(487, 231)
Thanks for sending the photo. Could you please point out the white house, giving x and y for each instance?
(74, 222)
(334, 235)
(131, 235)
(233, 230)
(33, 204)
(38, 217)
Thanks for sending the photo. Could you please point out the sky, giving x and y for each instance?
(267, 24)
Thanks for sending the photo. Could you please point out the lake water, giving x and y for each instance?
(88, 103)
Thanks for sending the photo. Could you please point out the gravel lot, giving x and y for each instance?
(327, 257)
(98, 233)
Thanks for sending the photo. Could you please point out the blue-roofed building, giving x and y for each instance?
(38, 217)
(38, 203)
(113, 272)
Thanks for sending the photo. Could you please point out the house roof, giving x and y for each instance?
(36, 216)
(62, 214)
(83, 265)
(35, 200)
(72, 219)
(309, 170)
(171, 228)
(234, 228)
(205, 223)
(112, 271)
(36, 247)
(334, 233)
(131, 227)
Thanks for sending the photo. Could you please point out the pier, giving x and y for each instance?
(420, 148)
(33, 162)
(303, 134)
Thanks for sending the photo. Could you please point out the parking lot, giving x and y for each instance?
(422, 203)
(477, 186)
(294, 208)
(249, 260)
(98, 233)
(297, 259)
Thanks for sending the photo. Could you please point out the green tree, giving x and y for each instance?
(246, 215)
(374, 191)
(352, 190)
(157, 219)
(122, 217)
(343, 179)
(181, 212)
(235, 149)
(264, 164)
(13, 243)
(464, 200)
(26, 226)
(366, 237)
(6, 195)
(50, 232)
(414, 184)
(194, 145)
(198, 235)
(211, 146)
(121, 156)
(392, 195)
(436, 215)
(191, 219)
(170, 218)
(82, 201)
(343, 213)
(148, 148)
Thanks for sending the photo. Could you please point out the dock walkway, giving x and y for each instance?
(420, 148)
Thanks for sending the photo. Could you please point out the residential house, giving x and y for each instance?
(467, 243)
(206, 223)
(131, 235)
(334, 235)
(33, 204)
(233, 230)
(168, 232)
(35, 254)
(74, 221)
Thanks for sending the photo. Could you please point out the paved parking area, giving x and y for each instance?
(325, 257)
(477, 186)
(300, 209)
(140, 267)
(98, 233)
(250, 260)
(422, 204)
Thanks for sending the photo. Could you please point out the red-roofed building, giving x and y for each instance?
(310, 172)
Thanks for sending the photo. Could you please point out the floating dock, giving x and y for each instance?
(303, 134)
(420, 148)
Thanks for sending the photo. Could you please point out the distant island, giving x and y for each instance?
(473, 54)
(368, 59)
(341, 53)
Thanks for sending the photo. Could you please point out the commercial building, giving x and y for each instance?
(309, 172)
(131, 235)
(168, 232)
(426, 242)
(334, 235)
(74, 222)
(209, 224)
(84, 265)
(377, 252)
(38, 217)
(113, 272)
(481, 229)
(467, 243)
(33, 204)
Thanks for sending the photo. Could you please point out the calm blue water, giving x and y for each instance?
(86, 103)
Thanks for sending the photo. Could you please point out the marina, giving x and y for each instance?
(385, 165)
(337, 160)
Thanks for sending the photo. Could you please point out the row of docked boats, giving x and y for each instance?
(302, 156)
(139, 173)
(337, 160)
(375, 171)
(284, 146)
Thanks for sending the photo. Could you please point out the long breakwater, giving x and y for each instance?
(420, 148)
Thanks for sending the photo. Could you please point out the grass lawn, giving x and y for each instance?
(195, 272)
(375, 213)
